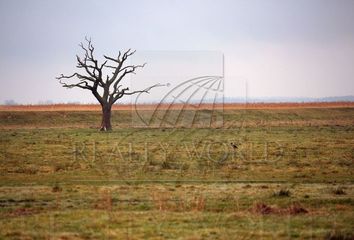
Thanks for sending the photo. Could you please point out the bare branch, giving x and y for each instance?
(126, 71)
(79, 76)
(146, 90)
(109, 66)
(63, 76)
(124, 92)
(112, 59)
(119, 68)
(128, 53)
(82, 84)
(103, 64)
(133, 67)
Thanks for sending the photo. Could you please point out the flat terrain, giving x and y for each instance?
(232, 106)
(272, 171)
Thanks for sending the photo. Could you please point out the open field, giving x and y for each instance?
(228, 106)
(291, 175)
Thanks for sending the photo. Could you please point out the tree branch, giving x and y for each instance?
(125, 73)
(79, 76)
(82, 84)
(120, 61)
(123, 92)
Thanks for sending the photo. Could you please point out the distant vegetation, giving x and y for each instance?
(10, 102)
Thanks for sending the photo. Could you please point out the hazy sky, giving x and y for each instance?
(294, 48)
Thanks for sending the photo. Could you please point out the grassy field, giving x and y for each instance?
(291, 176)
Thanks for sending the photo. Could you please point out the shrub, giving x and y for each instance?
(282, 193)
(296, 208)
(56, 188)
(262, 208)
(338, 191)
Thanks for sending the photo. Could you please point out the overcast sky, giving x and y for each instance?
(298, 48)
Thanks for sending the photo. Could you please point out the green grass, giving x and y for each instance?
(62, 178)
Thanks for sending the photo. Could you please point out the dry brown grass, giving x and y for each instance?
(105, 202)
(163, 201)
(20, 212)
(292, 209)
(288, 105)
(228, 106)
(160, 201)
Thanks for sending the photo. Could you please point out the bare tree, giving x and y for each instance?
(106, 89)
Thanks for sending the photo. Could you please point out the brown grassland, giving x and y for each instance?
(226, 106)
(272, 171)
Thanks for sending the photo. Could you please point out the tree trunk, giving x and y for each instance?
(106, 118)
